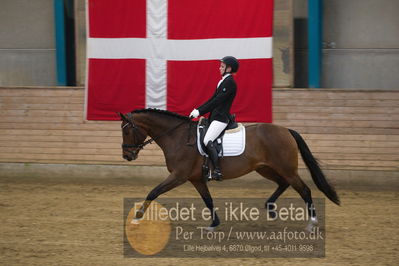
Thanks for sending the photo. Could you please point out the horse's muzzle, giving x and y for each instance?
(130, 157)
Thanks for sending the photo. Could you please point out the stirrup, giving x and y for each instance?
(217, 175)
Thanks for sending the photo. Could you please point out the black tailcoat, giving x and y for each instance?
(220, 103)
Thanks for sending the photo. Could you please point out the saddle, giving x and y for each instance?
(233, 138)
(203, 126)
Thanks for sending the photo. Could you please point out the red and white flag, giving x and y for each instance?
(165, 54)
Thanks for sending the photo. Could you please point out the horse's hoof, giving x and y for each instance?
(272, 215)
(312, 223)
(135, 220)
(210, 229)
(309, 228)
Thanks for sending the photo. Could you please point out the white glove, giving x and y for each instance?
(194, 114)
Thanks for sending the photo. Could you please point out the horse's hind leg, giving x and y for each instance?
(306, 195)
(202, 189)
(282, 186)
(169, 183)
(269, 205)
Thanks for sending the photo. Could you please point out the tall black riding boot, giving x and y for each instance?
(213, 155)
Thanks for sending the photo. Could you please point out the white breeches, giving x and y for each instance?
(214, 131)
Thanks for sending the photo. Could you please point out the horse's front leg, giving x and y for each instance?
(203, 190)
(172, 181)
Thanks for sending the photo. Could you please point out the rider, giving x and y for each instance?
(219, 107)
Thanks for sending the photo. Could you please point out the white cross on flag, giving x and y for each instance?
(165, 54)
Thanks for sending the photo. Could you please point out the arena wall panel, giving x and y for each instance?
(346, 130)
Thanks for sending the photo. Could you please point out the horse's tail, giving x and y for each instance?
(317, 174)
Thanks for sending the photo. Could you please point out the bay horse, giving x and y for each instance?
(271, 150)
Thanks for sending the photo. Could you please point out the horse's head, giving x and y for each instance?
(133, 137)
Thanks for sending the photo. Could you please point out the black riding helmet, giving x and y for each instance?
(232, 62)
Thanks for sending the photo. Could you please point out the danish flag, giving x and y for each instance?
(165, 54)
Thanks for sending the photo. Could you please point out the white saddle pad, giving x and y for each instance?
(233, 142)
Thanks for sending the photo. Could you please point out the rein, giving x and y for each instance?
(145, 143)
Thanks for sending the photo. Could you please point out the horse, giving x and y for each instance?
(271, 150)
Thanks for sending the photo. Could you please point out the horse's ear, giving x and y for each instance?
(123, 117)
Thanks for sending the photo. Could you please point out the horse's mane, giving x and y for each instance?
(163, 112)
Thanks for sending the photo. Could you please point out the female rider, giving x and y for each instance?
(219, 107)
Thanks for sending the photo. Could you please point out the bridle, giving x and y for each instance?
(141, 146)
(137, 147)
